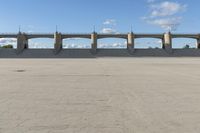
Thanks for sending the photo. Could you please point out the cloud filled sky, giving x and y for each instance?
(108, 16)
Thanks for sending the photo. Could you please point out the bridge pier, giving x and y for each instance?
(22, 42)
(198, 42)
(163, 43)
(94, 42)
(58, 42)
(167, 45)
(130, 42)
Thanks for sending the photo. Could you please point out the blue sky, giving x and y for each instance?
(149, 16)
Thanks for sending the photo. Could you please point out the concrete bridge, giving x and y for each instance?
(22, 39)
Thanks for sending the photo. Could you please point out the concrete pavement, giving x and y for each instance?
(102, 95)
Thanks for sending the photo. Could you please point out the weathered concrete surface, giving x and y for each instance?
(103, 95)
(88, 53)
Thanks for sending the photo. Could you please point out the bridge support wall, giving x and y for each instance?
(22, 42)
(94, 42)
(130, 43)
(58, 42)
(198, 43)
(167, 45)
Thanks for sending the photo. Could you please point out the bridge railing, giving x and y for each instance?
(70, 33)
(79, 33)
(49, 33)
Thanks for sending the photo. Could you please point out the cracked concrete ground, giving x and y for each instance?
(103, 95)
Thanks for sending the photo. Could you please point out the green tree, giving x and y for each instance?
(186, 46)
(7, 46)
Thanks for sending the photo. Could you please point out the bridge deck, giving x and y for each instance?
(100, 36)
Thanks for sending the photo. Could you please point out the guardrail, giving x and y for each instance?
(40, 33)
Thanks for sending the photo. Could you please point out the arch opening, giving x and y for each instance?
(41, 43)
(184, 43)
(76, 43)
(112, 43)
(148, 43)
(10, 43)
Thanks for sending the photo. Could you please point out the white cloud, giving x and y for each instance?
(168, 24)
(73, 45)
(37, 45)
(110, 22)
(10, 41)
(100, 45)
(109, 26)
(112, 45)
(108, 31)
(165, 14)
(166, 8)
(6, 41)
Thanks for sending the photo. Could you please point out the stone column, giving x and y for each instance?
(163, 43)
(130, 42)
(58, 42)
(167, 42)
(198, 43)
(22, 42)
(94, 42)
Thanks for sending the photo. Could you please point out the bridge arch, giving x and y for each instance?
(39, 36)
(76, 43)
(184, 42)
(148, 43)
(75, 36)
(112, 43)
(152, 36)
(41, 43)
(112, 36)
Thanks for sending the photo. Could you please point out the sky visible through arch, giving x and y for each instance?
(108, 16)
